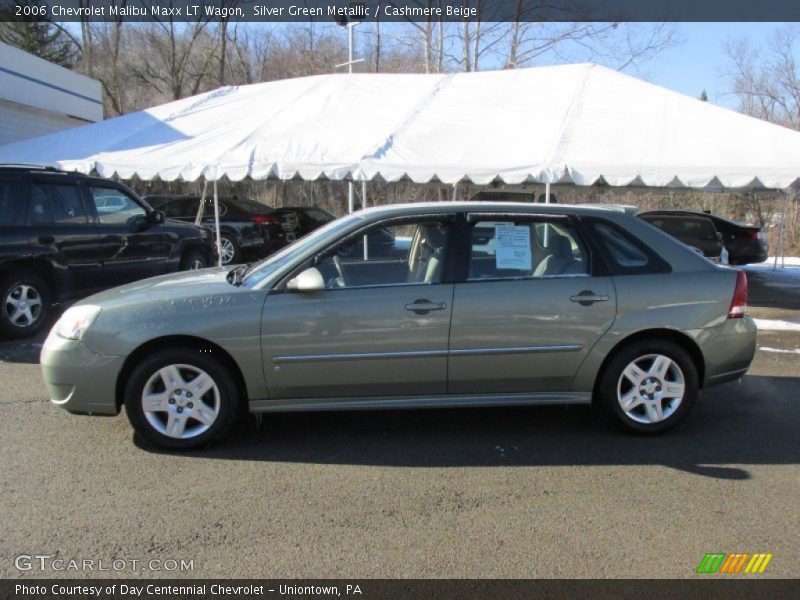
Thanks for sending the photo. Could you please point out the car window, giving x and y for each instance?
(187, 208)
(246, 205)
(411, 252)
(621, 249)
(698, 229)
(9, 201)
(319, 217)
(624, 254)
(514, 249)
(208, 210)
(57, 203)
(114, 206)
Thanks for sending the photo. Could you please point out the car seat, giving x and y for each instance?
(561, 261)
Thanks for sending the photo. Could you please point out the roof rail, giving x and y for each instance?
(28, 166)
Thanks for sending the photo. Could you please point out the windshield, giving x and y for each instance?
(267, 266)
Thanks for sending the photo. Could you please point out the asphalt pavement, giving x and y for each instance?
(522, 492)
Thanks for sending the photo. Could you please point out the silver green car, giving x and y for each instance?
(414, 306)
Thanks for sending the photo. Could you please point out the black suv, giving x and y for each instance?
(247, 228)
(66, 235)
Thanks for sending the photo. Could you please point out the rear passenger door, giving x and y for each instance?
(60, 222)
(530, 308)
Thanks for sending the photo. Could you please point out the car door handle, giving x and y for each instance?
(424, 306)
(47, 240)
(587, 298)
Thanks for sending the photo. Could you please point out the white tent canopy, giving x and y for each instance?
(566, 124)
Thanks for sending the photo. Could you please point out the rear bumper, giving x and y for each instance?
(728, 350)
(78, 379)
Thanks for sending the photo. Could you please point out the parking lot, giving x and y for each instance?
(523, 492)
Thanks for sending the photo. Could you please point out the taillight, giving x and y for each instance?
(739, 302)
(264, 219)
(755, 234)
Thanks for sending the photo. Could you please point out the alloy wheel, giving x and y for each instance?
(651, 388)
(23, 305)
(181, 401)
(227, 251)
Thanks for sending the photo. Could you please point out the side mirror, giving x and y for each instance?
(156, 217)
(309, 280)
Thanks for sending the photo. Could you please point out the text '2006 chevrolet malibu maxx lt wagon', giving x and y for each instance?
(461, 304)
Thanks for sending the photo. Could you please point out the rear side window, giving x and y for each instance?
(9, 201)
(624, 254)
(57, 203)
(524, 248)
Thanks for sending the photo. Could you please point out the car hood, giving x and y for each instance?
(172, 287)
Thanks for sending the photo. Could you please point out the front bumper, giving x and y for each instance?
(78, 379)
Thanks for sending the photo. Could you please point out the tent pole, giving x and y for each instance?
(455, 191)
(202, 206)
(546, 227)
(363, 194)
(350, 197)
(216, 224)
(780, 249)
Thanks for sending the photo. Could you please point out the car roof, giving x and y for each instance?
(668, 215)
(46, 170)
(494, 207)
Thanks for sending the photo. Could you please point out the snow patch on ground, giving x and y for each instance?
(780, 350)
(776, 325)
(789, 262)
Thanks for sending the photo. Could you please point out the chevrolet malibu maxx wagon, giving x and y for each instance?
(481, 304)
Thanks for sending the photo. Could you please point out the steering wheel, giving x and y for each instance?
(337, 262)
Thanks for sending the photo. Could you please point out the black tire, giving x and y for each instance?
(236, 253)
(611, 384)
(14, 325)
(146, 371)
(193, 259)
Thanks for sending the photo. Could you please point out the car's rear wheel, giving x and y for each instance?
(649, 386)
(229, 252)
(26, 304)
(180, 398)
(193, 260)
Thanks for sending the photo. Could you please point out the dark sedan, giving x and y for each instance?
(745, 243)
(247, 228)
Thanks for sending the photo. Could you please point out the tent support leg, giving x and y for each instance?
(216, 224)
(779, 251)
(455, 191)
(363, 194)
(350, 197)
(547, 193)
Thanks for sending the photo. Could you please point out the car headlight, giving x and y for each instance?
(75, 321)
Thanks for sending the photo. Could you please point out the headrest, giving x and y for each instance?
(560, 245)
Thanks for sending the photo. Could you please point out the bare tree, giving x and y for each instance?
(178, 57)
(766, 80)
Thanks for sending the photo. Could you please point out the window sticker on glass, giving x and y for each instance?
(513, 247)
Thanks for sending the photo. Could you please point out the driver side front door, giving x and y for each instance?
(380, 328)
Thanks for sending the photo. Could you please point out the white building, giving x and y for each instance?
(39, 97)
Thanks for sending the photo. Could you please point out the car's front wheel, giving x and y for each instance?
(649, 386)
(180, 398)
